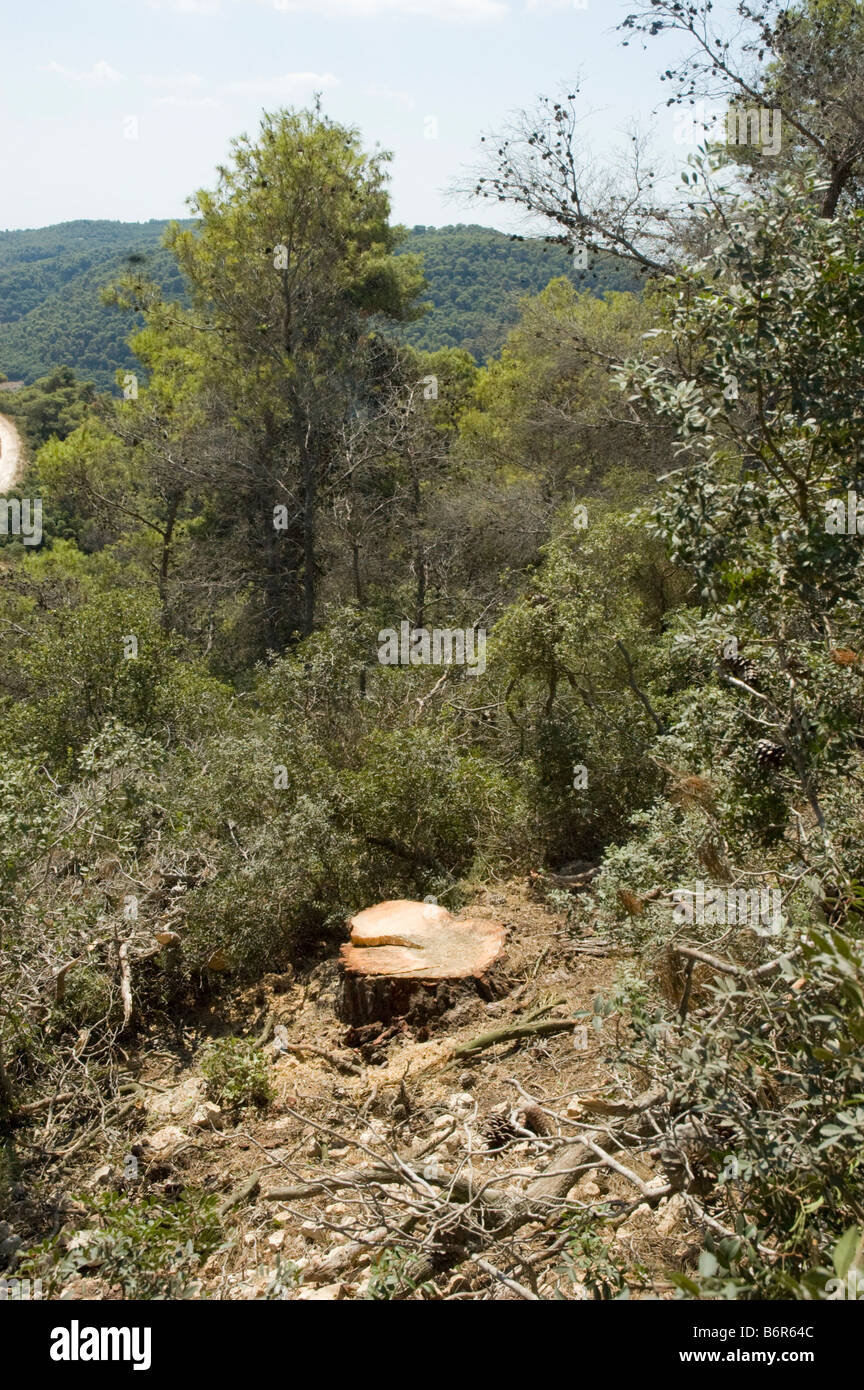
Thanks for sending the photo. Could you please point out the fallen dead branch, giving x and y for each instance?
(463, 1218)
(505, 1279)
(243, 1192)
(726, 967)
(571, 881)
(125, 983)
(599, 1105)
(544, 1029)
(340, 1063)
(34, 1105)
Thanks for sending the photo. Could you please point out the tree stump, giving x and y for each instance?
(414, 960)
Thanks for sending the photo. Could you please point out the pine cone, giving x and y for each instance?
(498, 1131)
(743, 669)
(770, 754)
(533, 1118)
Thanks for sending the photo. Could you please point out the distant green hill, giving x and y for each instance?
(51, 314)
(478, 276)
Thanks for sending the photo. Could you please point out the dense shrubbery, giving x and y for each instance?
(51, 408)
(140, 1248)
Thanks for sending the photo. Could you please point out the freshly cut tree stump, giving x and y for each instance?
(414, 960)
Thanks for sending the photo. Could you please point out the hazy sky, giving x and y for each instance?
(121, 108)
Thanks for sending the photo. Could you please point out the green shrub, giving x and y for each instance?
(236, 1074)
(770, 1076)
(148, 1249)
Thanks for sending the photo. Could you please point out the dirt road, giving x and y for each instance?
(11, 453)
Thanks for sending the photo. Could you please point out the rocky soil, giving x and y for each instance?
(380, 1163)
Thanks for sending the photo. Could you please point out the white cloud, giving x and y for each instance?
(100, 73)
(556, 4)
(187, 103)
(290, 84)
(184, 81)
(467, 10)
(364, 9)
(404, 100)
(186, 6)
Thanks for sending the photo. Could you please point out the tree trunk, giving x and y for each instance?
(310, 510)
(414, 961)
(165, 562)
(277, 551)
(420, 570)
(7, 1095)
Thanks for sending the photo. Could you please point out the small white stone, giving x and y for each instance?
(164, 1140)
(461, 1102)
(313, 1230)
(672, 1215)
(656, 1184)
(206, 1116)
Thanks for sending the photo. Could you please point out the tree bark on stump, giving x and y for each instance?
(414, 961)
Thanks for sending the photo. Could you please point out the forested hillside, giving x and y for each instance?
(52, 312)
(477, 278)
(51, 308)
(567, 642)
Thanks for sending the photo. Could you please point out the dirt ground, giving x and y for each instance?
(340, 1109)
(10, 453)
